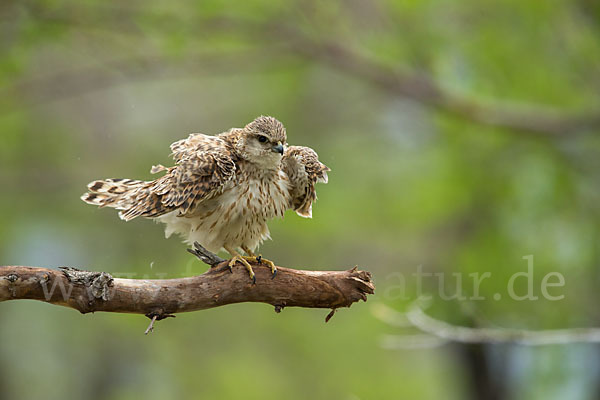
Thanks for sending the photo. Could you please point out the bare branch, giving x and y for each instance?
(422, 88)
(80, 80)
(440, 332)
(158, 299)
(291, 41)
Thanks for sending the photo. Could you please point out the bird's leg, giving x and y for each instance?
(243, 260)
(261, 260)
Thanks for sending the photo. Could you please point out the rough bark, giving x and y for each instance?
(157, 299)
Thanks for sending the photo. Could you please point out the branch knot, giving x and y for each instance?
(98, 282)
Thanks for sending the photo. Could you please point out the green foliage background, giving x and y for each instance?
(92, 89)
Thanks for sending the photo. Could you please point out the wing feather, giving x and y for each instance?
(304, 170)
(203, 165)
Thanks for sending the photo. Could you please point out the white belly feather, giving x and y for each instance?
(235, 218)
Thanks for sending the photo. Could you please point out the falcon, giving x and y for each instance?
(223, 189)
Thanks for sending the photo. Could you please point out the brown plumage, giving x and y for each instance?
(302, 166)
(223, 189)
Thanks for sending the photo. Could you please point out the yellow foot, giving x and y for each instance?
(260, 260)
(245, 263)
(270, 263)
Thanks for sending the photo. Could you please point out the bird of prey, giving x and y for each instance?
(223, 189)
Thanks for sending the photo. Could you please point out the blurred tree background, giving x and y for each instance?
(462, 136)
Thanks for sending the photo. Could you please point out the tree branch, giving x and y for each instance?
(291, 41)
(436, 332)
(77, 81)
(158, 299)
(533, 119)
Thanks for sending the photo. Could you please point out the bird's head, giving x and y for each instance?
(263, 141)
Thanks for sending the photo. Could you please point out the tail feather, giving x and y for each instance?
(117, 193)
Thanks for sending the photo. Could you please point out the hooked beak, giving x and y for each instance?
(278, 148)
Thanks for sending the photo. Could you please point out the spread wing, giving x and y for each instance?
(196, 141)
(203, 165)
(304, 170)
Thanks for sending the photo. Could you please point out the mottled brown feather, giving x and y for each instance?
(204, 164)
(304, 169)
(223, 189)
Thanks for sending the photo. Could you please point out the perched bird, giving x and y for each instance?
(223, 189)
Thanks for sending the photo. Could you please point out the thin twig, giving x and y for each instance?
(151, 326)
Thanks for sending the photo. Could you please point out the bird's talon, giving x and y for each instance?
(231, 264)
(271, 264)
(251, 258)
(245, 263)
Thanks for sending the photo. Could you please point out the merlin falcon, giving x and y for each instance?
(223, 189)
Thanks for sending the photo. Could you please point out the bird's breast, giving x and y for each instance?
(262, 197)
(236, 216)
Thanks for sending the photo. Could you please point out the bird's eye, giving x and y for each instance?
(262, 139)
